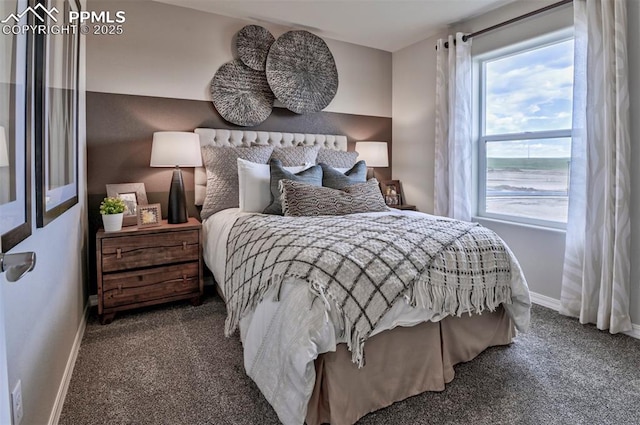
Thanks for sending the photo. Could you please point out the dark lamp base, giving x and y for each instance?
(177, 199)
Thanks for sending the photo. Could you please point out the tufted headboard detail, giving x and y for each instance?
(224, 137)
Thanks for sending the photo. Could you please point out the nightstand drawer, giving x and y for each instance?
(146, 285)
(130, 252)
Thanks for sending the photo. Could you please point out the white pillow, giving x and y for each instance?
(254, 184)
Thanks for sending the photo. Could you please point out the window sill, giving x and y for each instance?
(479, 219)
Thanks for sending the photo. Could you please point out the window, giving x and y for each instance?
(525, 133)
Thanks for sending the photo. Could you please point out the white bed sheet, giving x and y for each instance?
(284, 372)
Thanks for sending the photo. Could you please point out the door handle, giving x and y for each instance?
(17, 265)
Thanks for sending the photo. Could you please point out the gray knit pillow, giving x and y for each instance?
(336, 179)
(337, 159)
(299, 199)
(221, 164)
(311, 176)
(296, 155)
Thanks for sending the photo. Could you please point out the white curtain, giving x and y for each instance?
(596, 278)
(454, 147)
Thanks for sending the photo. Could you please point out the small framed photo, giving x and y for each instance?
(133, 195)
(149, 215)
(392, 192)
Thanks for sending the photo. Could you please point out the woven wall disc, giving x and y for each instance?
(241, 94)
(301, 72)
(253, 43)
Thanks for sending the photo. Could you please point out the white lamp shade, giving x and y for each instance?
(175, 148)
(373, 153)
(4, 152)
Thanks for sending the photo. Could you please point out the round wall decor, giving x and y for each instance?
(241, 94)
(301, 72)
(253, 43)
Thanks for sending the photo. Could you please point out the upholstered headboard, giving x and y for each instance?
(223, 137)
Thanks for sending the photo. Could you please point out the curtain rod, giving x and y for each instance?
(511, 21)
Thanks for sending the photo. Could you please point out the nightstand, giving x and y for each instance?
(138, 267)
(404, 207)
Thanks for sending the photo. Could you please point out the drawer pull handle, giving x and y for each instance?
(119, 253)
(184, 279)
(119, 289)
(184, 245)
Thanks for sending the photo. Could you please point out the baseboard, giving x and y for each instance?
(68, 371)
(545, 301)
(634, 332)
(554, 304)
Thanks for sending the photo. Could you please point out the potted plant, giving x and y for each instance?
(112, 210)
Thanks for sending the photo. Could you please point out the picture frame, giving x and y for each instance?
(149, 215)
(392, 192)
(56, 77)
(133, 195)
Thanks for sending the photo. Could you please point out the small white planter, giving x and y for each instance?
(112, 222)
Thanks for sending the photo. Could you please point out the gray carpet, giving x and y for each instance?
(172, 365)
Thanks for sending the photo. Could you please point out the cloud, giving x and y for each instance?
(530, 91)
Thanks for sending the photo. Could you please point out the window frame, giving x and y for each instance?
(20, 119)
(481, 138)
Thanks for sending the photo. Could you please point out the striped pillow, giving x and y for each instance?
(300, 199)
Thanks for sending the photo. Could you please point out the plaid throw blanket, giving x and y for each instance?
(359, 266)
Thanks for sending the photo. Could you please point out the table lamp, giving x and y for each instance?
(374, 154)
(4, 153)
(176, 149)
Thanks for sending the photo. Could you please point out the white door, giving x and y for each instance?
(13, 267)
(5, 410)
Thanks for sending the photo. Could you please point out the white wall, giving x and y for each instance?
(413, 124)
(44, 310)
(174, 52)
(633, 28)
(540, 251)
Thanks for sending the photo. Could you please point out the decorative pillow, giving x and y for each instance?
(311, 176)
(222, 174)
(299, 199)
(254, 185)
(336, 179)
(296, 155)
(337, 159)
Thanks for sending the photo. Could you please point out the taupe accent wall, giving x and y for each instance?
(120, 130)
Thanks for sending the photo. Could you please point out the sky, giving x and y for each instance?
(530, 91)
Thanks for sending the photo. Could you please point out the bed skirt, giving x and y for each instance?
(400, 363)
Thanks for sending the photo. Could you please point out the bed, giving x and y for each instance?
(308, 357)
